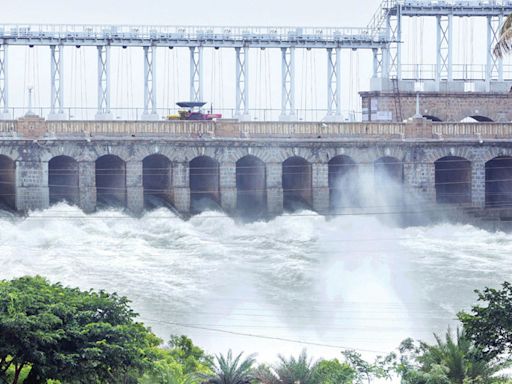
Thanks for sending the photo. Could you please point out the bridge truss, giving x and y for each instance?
(383, 36)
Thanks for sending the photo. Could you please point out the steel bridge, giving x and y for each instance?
(382, 36)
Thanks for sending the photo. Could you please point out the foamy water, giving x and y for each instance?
(349, 282)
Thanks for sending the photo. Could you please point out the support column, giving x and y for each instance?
(444, 57)
(150, 87)
(494, 66)
(478, 184)
(333, 85)
(104, 112)
(57, 83)
(288, 112)
(32, 191)
(274, 188)
(242, 84)
(4, 84)
(196, 73)
(181, 187)
(228, 186)
(87, 185)
(376, 64)
(134, 187)
(321, 188)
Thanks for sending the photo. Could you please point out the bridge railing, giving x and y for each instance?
(473, 130)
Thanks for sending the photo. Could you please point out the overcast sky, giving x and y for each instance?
(219, 12)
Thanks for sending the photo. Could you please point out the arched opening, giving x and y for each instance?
(498, 182)
(63, 180)
(110, 181)
(7, 183)
(204, 184)
(251, 186)
(156, 181)
(453, 180)
(477, 119)
(388, 169)
(297, 184)
(432, 118)
(343, 181)
(388, 182)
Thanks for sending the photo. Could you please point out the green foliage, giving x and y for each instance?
(289, 371)
(490, 325)
(66, 334)
(333, 372)
(366, 371)
(448, 361)
(231, 370)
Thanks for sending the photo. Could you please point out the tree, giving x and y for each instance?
(289, 371)
(504, 44)
(490, 325)
(365, 371)
(55, 332)
(334, 372)
(448, 361)
(229, 370)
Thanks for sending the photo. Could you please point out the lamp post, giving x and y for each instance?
(418, 86)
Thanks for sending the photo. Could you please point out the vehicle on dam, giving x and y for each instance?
(192, 110)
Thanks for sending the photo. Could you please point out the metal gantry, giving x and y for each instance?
(494, 66)
(444, 48)
(196, 73)
(333, 85)
(4, 87)
(288, 111)
(57, 82)
(104, 83)
(150, 106)
(242, 83)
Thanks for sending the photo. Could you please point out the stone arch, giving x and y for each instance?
(110, 181)
(204, 183)
(156, 180)
(453, 180)
(297, 183)
(343, 180)
(251, 186)
(63, 178)
(7, 183)
(388, 168)
(498, 182)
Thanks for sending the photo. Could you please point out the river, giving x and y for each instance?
(348, 282)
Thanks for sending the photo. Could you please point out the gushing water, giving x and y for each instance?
(349, 281)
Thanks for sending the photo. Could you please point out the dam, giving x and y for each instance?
(257, 167)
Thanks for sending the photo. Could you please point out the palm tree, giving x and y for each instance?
(229, 370)
(504, 44)
(455, 361)
(289, 371)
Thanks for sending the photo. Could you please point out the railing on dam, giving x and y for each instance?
(418, 129)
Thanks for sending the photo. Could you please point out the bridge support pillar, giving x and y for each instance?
(57, 83)
(196, 73)
(104, 112)
(134, 187)
(444, 54)
(4, 86)
(228, 186)
(87, 185)
(288, 112)
(242, 84)
(321, 188)
(333, 85)
(393, 53)
(478, 184)
(181, 187)
(419, 179)
(150, 112)
(494, 66)
(32, 191)
(274, 188)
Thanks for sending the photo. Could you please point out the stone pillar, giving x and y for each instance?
(181, 187)
(274, 188)
(478, 184)
(419, 179)
(87, 185)
(320, 187)
(32, 185)
(134, 188)
(228, 186)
